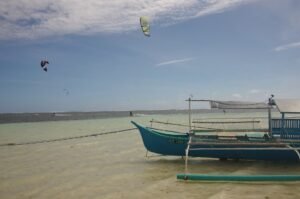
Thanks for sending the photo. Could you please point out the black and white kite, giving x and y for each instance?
(44, 64)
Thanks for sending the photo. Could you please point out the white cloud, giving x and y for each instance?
(175, 61)
(237, 95)
(287, 46)
(40, 18)
(255, 91)
(214, 6)
(286, 16)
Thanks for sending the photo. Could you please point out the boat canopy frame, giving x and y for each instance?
(232, 105)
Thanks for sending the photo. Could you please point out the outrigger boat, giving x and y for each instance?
(279, 142)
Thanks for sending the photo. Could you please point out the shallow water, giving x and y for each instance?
(115, 166)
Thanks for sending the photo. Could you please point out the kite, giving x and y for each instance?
(144, 21)
(44, 65)
(66, 91)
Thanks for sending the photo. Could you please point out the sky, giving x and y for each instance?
(99, 59)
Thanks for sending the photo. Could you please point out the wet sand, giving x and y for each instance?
(115, 166)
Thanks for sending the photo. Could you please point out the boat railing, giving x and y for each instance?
(286, 123)
(212, 126)
(184, 126)
(232, 124)
(258, 130)
(286, 128)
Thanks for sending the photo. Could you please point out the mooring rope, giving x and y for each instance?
(67, 138)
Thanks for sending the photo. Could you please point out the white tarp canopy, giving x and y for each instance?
(238, 105)
(288, 105)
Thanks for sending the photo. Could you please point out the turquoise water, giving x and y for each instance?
(115, 166)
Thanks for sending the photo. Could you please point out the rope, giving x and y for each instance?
(67, 138)
(229, 118)
(184, 125)
(227, 122)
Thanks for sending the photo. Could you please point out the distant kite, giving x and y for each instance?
(144, 21)
(66, 91)
(44, 64)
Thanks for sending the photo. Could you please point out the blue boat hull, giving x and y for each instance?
(175, 144)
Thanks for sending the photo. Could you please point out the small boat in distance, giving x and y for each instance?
(280, 142)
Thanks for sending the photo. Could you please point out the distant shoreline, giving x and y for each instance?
(61, 116)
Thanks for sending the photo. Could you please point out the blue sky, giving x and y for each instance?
(100, 60)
